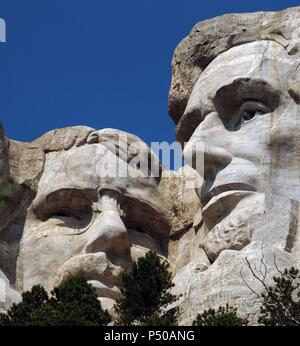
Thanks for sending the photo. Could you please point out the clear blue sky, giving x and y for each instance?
(97, 63)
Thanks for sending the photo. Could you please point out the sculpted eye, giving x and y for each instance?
(250, 109)
(244, 100)
(71, 220)
(63, 213)
(66, 211)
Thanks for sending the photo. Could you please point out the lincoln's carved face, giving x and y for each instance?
(243, 113)
(84, 221)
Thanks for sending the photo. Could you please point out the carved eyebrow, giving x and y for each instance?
(228, 95)
(74, 199)
(245, 89)
(143, 214)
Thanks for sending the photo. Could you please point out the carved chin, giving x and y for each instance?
(236, 213)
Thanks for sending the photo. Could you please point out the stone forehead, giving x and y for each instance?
(92, 165)
(27, 159)
(80, 169)
(256, 60)
(212, 37)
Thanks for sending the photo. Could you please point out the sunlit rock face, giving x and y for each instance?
(7, 294)
(235, 100)
(87, 203)
(95, 208)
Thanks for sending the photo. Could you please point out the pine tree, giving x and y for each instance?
(146, 293)
(279, 306)
(77, 301)
(224, 316)
(34, 310)
(73, 303)
(8, 191)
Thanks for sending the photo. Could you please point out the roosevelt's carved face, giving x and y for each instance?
(243, 114)
(82, 221)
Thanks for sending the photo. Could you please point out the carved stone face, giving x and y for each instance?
(84, 222)
(243, 115)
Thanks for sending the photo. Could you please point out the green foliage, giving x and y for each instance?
(224, 316)
(73, 303)
(77, 301)
(158, 321)
(146, 292)
(278, 307)
(7, 192)
(34, 310)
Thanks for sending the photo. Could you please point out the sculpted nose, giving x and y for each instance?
(108, 233)
(206, 150)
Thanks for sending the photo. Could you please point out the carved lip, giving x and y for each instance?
(217, 190)
(105, 290)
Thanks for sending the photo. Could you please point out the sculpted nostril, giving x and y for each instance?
(215, 160)
(206, 158)
(216, 156)
(201, 153)
(108, 233)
